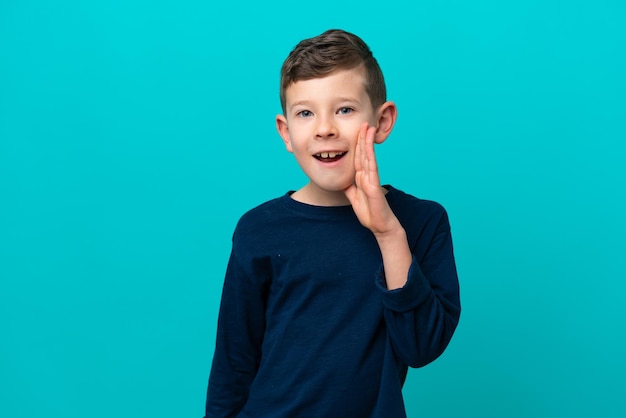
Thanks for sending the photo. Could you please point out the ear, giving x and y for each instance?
(283, 131)
(387, 114)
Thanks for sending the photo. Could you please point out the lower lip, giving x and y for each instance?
(331, 163)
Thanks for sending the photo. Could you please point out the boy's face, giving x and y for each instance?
(320, 127)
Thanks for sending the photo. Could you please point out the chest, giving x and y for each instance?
(322, 268)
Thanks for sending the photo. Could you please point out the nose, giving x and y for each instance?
(326, 128)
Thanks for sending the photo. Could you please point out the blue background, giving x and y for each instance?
(133, 134)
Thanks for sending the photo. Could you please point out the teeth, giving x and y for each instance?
(329, 154)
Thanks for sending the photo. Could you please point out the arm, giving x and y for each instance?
(370, 205)
(241, 327)
(421, 296)
(421, 317)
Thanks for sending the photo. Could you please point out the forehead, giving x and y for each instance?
(336, 85)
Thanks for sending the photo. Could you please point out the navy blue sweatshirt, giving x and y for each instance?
(307, 327)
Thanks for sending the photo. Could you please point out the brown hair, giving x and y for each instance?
(332, 50)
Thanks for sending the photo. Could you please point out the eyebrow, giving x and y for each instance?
(339, 100)
(300, 103)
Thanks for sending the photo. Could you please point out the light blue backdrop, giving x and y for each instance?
(133, 134)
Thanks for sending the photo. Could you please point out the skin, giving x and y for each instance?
(335, 114)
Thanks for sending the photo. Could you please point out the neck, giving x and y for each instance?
(314, 196)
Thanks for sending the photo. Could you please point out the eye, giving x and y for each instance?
(304, 114)
(345, 111)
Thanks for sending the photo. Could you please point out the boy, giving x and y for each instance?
(333, 290)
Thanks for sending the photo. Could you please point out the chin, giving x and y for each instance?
(338, 187)
(335, 185)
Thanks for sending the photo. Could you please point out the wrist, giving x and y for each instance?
(396, 254)
(393, 233)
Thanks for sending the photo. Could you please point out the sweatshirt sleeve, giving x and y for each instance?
(421, 316)
(240, 330)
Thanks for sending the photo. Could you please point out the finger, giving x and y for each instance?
(372, 166)
(363, 145)
(358, 151)
(365, 148)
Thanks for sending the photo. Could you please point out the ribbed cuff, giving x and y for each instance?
(409, 296)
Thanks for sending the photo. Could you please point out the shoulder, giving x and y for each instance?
(425, 221)
(259, 218)
(410, 208)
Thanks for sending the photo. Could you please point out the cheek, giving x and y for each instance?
(300, 152)
(297, 147)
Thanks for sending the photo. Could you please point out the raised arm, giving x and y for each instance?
(418, 279)
(422, 316)
(370, 205)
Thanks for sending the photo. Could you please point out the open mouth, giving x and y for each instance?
(329, 157)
